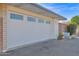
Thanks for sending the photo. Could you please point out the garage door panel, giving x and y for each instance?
(22, 32)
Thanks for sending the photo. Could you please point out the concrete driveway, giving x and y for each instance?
(48, 48)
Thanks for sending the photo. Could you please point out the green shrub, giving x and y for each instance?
(71, 28)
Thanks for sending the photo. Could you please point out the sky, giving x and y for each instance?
(67, 10)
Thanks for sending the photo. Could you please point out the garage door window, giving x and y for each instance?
(47, 22)
(31, 19)
(40, 21)
(16, 16)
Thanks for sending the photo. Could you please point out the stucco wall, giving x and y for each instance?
(1, 27)
(62, 27)
(1, 33)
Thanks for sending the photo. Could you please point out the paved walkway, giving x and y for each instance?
(48, 48)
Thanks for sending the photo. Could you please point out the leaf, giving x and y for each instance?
(75, 20)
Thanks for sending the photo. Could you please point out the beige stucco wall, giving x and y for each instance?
(3, 26)
(62, 27)
(1, 33)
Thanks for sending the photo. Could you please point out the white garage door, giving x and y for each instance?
(23, 29)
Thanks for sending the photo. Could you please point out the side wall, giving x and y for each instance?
(62, 27)
(3, 25)
(1, 30)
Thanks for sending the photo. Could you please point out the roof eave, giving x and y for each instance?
(51, 11)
